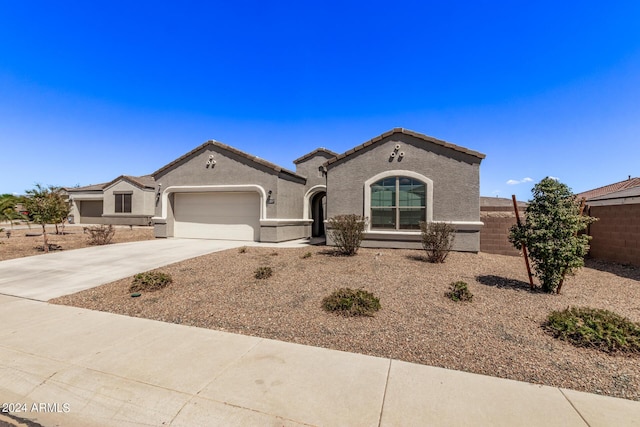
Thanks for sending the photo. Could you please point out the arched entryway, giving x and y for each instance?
(318, 209)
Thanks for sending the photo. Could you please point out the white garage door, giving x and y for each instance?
(217, 215)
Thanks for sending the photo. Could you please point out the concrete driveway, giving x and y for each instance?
(43, 277)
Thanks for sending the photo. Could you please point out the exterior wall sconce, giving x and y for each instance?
(159, 193)
(270, 200)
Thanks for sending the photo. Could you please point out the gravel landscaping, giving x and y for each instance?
(28, 241)
(499, 333)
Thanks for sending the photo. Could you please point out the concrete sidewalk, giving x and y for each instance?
(52, 275)
(91, 368)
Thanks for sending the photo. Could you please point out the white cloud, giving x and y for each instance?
(522, 181)
(555, 178)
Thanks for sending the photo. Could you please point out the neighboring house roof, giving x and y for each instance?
(313, 153)
(93, 187)
(145, 181)
(235, 151)
(611, 188)
(622, 194)
(498, 202)
(405, 132)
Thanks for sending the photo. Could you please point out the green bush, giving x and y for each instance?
(551, 233)
(459, 291)
(263, 272)
(351, 302)
(347, 232)
(437, 240)
(100, 234)
(594, 328)
(150, 281)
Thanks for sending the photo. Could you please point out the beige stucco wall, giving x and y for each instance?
(142, 204)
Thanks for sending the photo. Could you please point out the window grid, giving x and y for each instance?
(398, 203)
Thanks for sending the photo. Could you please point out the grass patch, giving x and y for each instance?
(351, 302)
(150, 281)
(306, 255)
(594, 328)
(459, 291)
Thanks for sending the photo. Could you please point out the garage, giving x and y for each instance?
(90, 212)
(217, 215)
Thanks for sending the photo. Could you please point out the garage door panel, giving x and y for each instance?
(217, 215)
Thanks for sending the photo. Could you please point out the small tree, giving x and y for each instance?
(347, 232)
(8, 210)
(550, 232)
(46, 206)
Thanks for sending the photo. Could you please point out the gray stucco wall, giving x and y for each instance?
(455, 176)
(230, 169)
(289, 200)
(309, 169)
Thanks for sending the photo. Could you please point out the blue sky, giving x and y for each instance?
(93, 90)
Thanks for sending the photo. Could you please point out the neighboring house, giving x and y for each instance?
(127, 200)
(395, 180)
(616, 234)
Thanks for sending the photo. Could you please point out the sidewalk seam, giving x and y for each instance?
(574, 407)
(384, 395)
(197, 394)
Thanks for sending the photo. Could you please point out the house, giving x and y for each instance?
(395, 180)
(127, 200)
(616, 234)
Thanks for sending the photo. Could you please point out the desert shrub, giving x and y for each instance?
(242, 249)
(551, 232)
(437, 240)
(351, 302)
(306, 255)
(459, 291)
(594, 328)
(150, 281)
(347, 232)
(100, 234)
(263, 272)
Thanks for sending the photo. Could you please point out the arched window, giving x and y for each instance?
(398, 203)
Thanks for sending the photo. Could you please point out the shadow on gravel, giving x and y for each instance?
(420, 258)
(623, 270)
(504, 282)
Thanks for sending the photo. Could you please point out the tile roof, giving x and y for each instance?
(145, 181)
(313, 153)
(410, 133)
(611, 188)
(92, 187)
(235, 151)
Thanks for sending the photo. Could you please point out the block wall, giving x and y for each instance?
(494, 234)
(616, 235)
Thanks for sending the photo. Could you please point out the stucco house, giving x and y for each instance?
(127, 200)
(395, 180)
